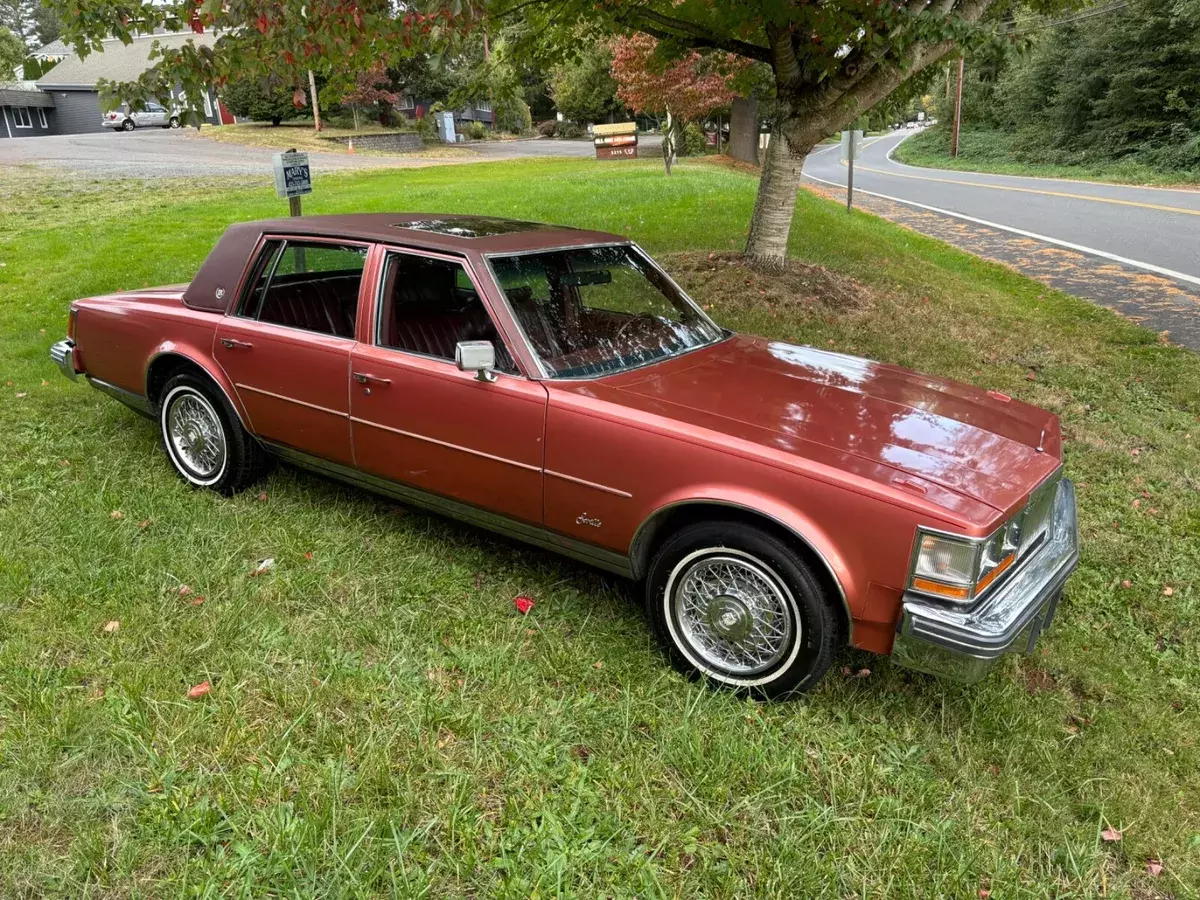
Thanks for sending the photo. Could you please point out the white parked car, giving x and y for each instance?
(155, 114)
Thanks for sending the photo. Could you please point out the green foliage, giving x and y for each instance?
(1123, 85)
(247, 98)
(693, 143)
(12, 53)
(583, 87)
(476, 131)
(549, 128)
(571, 131)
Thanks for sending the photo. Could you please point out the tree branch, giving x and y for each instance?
(664, 27)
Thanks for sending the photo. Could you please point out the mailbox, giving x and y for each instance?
(616, 141)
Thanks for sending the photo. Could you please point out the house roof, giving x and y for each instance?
(56, 49)
(116, 62)
(24, 94)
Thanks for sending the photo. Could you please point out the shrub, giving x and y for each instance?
(512, 115)
(426, 128)
(693, 141)
(571, 130)
(248, 99)
(476, 131)
(548, 128)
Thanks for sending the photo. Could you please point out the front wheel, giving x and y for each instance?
(737, 605)
(204, 438)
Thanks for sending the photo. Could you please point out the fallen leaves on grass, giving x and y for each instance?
(1154, 867)
(263, 566)
(1111, 835)
(200, 690)
(184, 590)
(116, 515)
(112, 627)
(198, 600)
(1168, 591)
(144, 524)
(523, 604)
(263, 497)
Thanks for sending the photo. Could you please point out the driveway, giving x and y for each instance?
(160, 153)
(1132, 249)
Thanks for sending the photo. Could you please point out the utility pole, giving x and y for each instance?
(312, 91)
(957, 110)
(850, 171)
(487, 55)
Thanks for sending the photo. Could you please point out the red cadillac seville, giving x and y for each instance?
(777, 502)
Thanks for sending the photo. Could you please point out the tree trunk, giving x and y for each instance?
(670, 142)
(771, 224)
(743, 130)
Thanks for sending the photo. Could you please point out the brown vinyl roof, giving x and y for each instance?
(444, 233)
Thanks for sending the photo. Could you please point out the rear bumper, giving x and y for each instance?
(964, 644)
(63, 354)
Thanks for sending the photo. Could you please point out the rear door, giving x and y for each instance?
(417, 420)
(286, 344)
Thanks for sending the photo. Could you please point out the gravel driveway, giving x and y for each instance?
(158, 153)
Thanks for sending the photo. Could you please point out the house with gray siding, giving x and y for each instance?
(27, 112)
(72, 83)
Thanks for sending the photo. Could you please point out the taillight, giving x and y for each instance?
(71, 322)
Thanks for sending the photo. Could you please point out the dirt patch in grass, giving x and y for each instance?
(726, 280)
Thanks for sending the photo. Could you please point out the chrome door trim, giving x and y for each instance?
(446, 444)
(599, 487)
(599, 557)
(324, 409)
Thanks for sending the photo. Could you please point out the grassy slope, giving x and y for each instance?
(381, 719)
(988, 151)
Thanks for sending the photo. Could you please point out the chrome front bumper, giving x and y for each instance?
(963, 644)
(63, 354)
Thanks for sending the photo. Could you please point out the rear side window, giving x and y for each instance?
(308, 285)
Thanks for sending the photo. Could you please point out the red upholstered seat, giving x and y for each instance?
(326, 305)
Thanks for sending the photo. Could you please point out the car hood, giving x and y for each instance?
(980, 444)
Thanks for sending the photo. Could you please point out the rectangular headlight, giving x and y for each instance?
(945, 566)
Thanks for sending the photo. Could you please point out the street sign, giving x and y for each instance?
(292, 176)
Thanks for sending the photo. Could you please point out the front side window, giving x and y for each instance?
(427, 306)
(598, 310)
(308, 285)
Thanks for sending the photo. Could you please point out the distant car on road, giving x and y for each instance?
(154, 114)
(775, 502)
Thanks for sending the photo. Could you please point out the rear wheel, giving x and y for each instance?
(174, 123)
(204, 438)
(735, 604)
(128, 125)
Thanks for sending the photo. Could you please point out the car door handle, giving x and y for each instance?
(231, 343)
(367, 378)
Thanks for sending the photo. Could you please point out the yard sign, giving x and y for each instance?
(292, 177)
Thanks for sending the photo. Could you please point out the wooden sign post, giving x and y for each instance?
(293, 179)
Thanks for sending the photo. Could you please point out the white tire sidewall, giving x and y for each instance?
(164, 409)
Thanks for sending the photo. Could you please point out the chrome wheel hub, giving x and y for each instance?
(733, 613)
(196, 435)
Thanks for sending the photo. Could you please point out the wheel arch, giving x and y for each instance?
(822, 557)
(166, 362)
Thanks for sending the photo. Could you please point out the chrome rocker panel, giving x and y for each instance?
(963, 644)
(599, 557)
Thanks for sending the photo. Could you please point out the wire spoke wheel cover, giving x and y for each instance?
(195, 436)
(732, 614)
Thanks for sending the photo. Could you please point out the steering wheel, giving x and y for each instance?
(621, 331)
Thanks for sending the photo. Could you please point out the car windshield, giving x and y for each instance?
(598, 310)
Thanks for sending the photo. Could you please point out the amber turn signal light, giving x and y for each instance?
(949, 591)
(995, 573)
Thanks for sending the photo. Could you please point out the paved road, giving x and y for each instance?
(1154, 229)
(159, 153)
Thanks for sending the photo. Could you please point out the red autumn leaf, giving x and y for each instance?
(523, 604)
(308, 555)
(263, 496)
(198, 600)
(1154, 868)
(1111, 835)
(984, 893)
(199, 690)
(261, 24)
(1127, 584)
(184, 590)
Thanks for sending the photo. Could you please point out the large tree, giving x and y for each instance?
(831, 62)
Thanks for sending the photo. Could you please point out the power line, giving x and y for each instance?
(1081, 17)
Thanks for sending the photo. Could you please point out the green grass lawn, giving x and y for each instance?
(382, 721)
(991, 151)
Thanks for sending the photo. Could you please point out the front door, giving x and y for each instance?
(286, 347)
(416, 419)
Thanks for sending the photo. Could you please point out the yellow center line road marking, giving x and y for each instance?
(1026, 190)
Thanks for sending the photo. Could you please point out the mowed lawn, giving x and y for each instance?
(382, 721)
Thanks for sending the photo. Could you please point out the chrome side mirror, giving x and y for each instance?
(476, 356)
